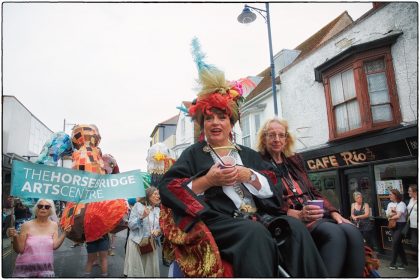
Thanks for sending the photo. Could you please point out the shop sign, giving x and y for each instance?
(359, 156)
(386, 235)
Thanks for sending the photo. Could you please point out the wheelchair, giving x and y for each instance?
(195, 254)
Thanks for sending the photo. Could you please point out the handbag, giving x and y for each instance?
(392, 223)
(406, 228)
(146, 245)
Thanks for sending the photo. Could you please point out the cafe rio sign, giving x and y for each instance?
(342, 159)
(397, 149)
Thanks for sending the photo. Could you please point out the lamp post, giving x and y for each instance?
(66, 124)
(247, 16)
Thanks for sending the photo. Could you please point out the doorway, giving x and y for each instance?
(358, 179)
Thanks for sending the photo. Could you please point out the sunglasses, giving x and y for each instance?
(40, 206)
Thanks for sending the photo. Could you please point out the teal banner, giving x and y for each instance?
(58, 183)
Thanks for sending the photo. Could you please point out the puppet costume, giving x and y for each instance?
(90, 221)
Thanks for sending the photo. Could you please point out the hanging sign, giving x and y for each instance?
(58, 183)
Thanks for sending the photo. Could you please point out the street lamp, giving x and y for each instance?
(247, 16)
(66, 124)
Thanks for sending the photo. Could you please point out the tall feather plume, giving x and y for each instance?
(211, 78)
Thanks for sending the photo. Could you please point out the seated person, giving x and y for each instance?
(215, 178)
(339, 242)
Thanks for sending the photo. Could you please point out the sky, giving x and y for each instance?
(125, 67)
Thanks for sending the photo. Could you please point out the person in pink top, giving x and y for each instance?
(36, 241)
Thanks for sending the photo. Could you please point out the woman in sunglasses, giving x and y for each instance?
(36, 241)
(339, 242)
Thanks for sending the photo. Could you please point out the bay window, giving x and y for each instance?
(361, 94)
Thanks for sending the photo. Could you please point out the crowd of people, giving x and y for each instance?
(35, 240)
(261, 210)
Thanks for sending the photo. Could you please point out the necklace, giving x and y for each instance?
(224, 147)
(286, 177)
(208, 148)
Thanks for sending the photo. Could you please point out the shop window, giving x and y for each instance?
(395, 175)
(361, 94)
(326, 183)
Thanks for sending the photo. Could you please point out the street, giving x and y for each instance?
(70, 262)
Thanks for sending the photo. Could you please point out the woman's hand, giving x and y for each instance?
(12, 232)
(311, 213)
(146, 212)
(339, 219)
(222, 176)
(244, 174)
(155, 232)
(67, 230)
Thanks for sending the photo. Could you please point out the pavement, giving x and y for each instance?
(69, 262)
(411, 271)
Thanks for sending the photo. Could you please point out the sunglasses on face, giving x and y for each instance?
(40, 206)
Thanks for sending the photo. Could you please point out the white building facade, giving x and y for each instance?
(352, 103)
(23, 136)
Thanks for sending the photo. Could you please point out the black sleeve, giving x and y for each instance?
(175, 193)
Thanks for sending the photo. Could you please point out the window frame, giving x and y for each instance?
(356, 63)
(246, 119)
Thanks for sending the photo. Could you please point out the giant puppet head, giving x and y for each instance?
(90, 221)
(159, 161)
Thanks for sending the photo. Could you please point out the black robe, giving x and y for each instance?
(246, 244)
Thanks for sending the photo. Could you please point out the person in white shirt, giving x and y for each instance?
(412, 211)
(396, 210)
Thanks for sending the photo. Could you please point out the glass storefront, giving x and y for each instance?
(394, 175)
(327, 183)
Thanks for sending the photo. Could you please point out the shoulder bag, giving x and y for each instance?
(392, 223)
(147, 244)
(406, 228)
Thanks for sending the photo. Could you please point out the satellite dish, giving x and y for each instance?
(246, 16)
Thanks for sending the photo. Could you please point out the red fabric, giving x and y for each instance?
(290, 194)
(227, 269)
(195, 251)
(297, 162)
(193, 206)
(215, 100)
(102, 217)
(271, 175)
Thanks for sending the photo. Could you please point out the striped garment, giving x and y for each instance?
(37, 259)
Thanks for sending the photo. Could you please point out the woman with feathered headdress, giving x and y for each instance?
(216, 182)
